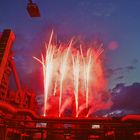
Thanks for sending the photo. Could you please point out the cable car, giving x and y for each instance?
(33, 9)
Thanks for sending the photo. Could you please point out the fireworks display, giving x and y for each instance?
(74, 79)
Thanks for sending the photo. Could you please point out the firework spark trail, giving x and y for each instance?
(48, 70)
(55, 86)
(87, 64)
(63, 67)
(81, 108)
(99, 52)
(47, 65)
(82, 71)
(58, 53)
(66, 103)
(76, 74)
(84, 67)
(87, 70)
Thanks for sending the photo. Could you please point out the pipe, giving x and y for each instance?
(28, 112)
(18, 84)
(131, 118)
(7, 108)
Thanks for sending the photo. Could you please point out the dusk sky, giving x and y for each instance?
(116, 23)
(110, 21)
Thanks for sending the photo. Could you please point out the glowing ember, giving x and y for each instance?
(73, 79)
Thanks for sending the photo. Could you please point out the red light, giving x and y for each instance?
(136, 133)
(94, 137)
(110, 133)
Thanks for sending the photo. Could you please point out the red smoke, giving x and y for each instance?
(74, 79)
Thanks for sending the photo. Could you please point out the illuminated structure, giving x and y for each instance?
(18, 104)
(19, 119)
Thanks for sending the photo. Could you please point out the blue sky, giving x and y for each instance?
(111, 21)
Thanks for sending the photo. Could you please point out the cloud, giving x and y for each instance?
(120, 77)
(117, 72)
(129, 68)
(98, 9)
(126, 98)
(135, 61)
(103, 9)
(111, 72)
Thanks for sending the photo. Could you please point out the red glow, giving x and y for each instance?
(113, 45)
(136, 133)
(110, 133)
(131, 118)
(73, 79)
(94, 137)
